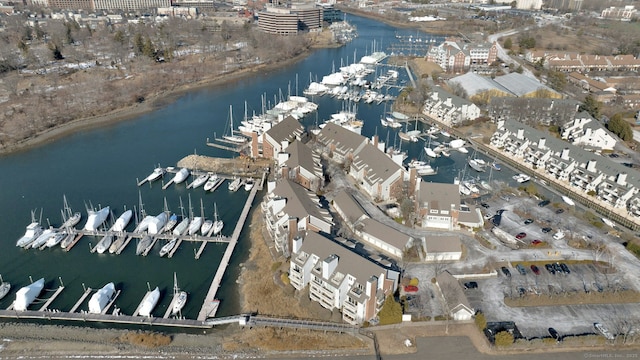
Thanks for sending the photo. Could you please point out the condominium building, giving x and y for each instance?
(454, 55)
(587, 132)
(290, 20)
(449, 108)
(340, 144)
(439, 207)
(340, 279)
(299, 163)
(376, 173)
(280, 136)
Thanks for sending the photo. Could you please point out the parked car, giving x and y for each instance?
(535, 270)
(557, 268)
(559, 211)
(544, 203)
(550, 269)
(485, 205)
(604, 331)
(559, 235)
(521, 235)
(521, 269)
(536, 242)
(546, 230)
(506, 271)
(411, 288)
(613, 155)
(565, 268)
(496, 219)
(528, 221)
(471, 285)
(554, 334)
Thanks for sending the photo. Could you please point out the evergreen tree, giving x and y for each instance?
(618, 126)
(592, 106)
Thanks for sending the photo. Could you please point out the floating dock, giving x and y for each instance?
(81, 300)
(50, 299)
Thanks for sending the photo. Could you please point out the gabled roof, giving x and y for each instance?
(286, 130)
(301, 155)
(475, 84)
(452, 291)
(379, 166)
(385, 233)
(349, 206)
(300, 201)
(439, 196)
(519, 84)
(343, 139)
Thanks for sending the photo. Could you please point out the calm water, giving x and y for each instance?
(100, 167)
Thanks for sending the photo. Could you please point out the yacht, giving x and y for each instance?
(149, 302)
(181, 176)
(213, 183)
(156, 225)
(56, 239)
(33, 231)
(182, 227)
(430, 152)
(72, 221)
(4, 288)
(173, 221)
(179, 297)
(68, 240)
(457, 143)
(217, 223)
(463, 150)
(476, 166)
(248, 184)
(104, 243)
(156, 174)
(201, 179)
(235, 184)
(143, 244)
(422, 168)
(195, 225)
(96, 218)
(521, 178)
(43, 238)
(26, 295)
(207, 225)
(122, 221)
(99, 300)
(166, 248)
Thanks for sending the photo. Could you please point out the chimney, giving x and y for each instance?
(293, 231)
(520, 134)
(375, 140)
(329, 265)
(591, 165)
(621, 179)
(284, 172)
(412, 180)
(297, 244)
(565, 154)
(541, 143)
(371, 286)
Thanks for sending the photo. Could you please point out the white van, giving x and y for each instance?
(559, 235)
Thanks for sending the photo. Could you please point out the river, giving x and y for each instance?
(100, 167)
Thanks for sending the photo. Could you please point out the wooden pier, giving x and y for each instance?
(113, 299)
(50, 299)
(144, 298)
(81, 300)
(175, 248)
(74, 242)
(210, 305)
(124, 244)
(200, 250)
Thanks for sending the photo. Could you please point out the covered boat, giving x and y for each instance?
(122, 221)
(96, 218)
(99, 300)
(156, 225)
(181, 175)
(26, 295)
(33, 231)
(182, 227)
(143, 244)
(195, 225)
(149, 302)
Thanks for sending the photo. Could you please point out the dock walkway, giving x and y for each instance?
(209, 307)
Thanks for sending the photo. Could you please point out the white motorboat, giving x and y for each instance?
(33, 231)
(471, 186)
(248, 184)
(383, 122)
(445, 134)
(217, 223)
(26, 295)
(181, 176)
(568, 200)
(521, 178)
(608, 222)
(67, 240)
(195, 225)
(457, 143)
(156, 225)
(476, 166)
(179, 297)
(166, 248)
(144, 224)
(149, 302)
(56, 239)
(429, 151)
(72, 221)
(104, 243)
(422, 168)
(213, 182)
(101, 298)
(96, 218)
(116, 244)
(485, 185)
(156, 174)
(235, 184)
(200, 180)
(122, 221)
(496, 166)
(43, 238)
(207, 225)
(143, 244)
(182, 227)
(463, 150)
(4, 288)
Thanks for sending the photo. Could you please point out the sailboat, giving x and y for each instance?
(4, 288)
(69, 218)
(179, 297)
(182, 225)
(166, 248)
(217, 223)
(233, 138)
(196, 221)
(429, 151)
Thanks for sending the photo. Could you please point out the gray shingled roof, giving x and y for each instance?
(345, 140)
(348, 262)
(439, 196)
(380, 166)
(603, 164)
(300, 202)
(348, 205)
(451, 290)
(385, 233)
(440, 244)
(443, 95)
(287, 129)
(302, 155)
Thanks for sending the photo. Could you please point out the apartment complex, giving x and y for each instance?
(449, 108)
(589, 133)
(297, 162)
(339, 278)
(376, 173)
(92, 5)
(340, 144)
(288, 209)
(573, 61)
(439, 207)
(455, 56)
(276, 139)
(588, 174)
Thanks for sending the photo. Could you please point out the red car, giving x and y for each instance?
(536, 242)
(521, 236)
(535, 269)
(410, 288)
